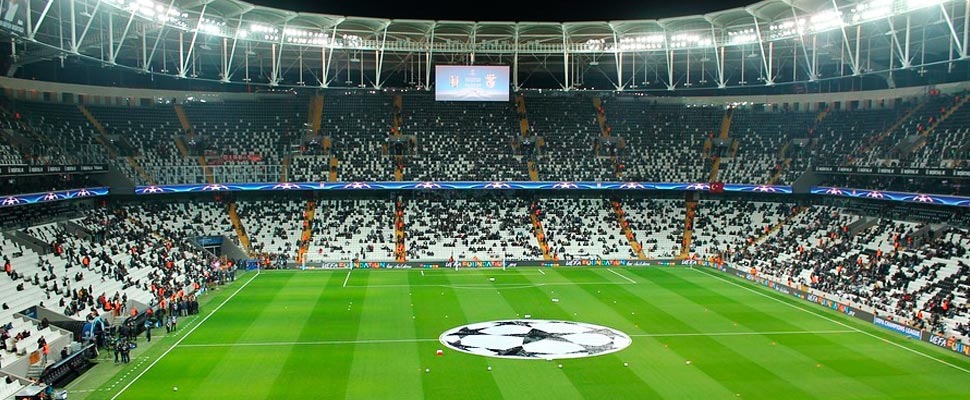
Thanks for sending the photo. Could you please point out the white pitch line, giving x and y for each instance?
(419, 340)
(422, 273)
(494, 285)
(621, 276)
(828, 332)
(827, 318)
(177, 342)
(540, 271)
(348, 276)
(313, 343)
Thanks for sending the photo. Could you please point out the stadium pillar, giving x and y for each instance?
(33, 28)
(956, 39)
(515, 60)
(427, 58)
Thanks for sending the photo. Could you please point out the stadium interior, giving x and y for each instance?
(123, 253)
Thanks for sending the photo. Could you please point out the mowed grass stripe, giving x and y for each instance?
(331, 351)
(916, 375)
(452, 376)
(281, 318)
(733, 368)
(649, 371)
(655, 364)
(194, 373)
(333, 318)
(386, 313)
(515, 379)
(237, 316)
(163, 374)
(596, 377)
(824, 365)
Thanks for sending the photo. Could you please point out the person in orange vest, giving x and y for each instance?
(134, 311)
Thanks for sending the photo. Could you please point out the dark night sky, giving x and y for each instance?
(509, 10)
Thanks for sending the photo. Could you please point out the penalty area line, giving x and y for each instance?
(313, 343)
(187, 334)
(621, 275)
(540, 271)
(493, 285)
(348, 277)
(827, 332)
(827, 318)
(423, 340)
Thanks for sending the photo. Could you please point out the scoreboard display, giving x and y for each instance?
(471, 83)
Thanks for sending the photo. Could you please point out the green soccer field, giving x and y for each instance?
(374, 334)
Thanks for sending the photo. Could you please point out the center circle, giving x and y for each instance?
(535, 339)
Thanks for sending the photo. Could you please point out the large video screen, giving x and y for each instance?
(471, 83)
(13, 15)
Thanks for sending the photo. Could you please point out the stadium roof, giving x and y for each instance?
(766, 43)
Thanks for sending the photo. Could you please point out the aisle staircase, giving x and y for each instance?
(183, 119)
(625, 228)
(396, 129)
(523, 116)
(102, 136)
(926, 133)
(539, 234)
(524, 130)
(783, 152)
(286, 166)
(240, 229)
(180, 144)
(333, 168)
(724, 134)
(307, 236)
(141, 172)
(315, 115)
(949, 112)
(688, 230)
(209, 177)
(533, 171)
(400, 249)
(876, 141)
(774, 228)
(605, 132)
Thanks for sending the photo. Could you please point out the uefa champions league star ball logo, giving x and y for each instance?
(427, 185)
(286, 186)
(11, 201)
(215, 187)
(357, 185)
(498, 185)
(535, 339)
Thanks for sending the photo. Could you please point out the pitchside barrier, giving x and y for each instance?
(804, 294)
(801, 292)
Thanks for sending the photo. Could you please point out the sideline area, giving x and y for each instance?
(107, 378)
